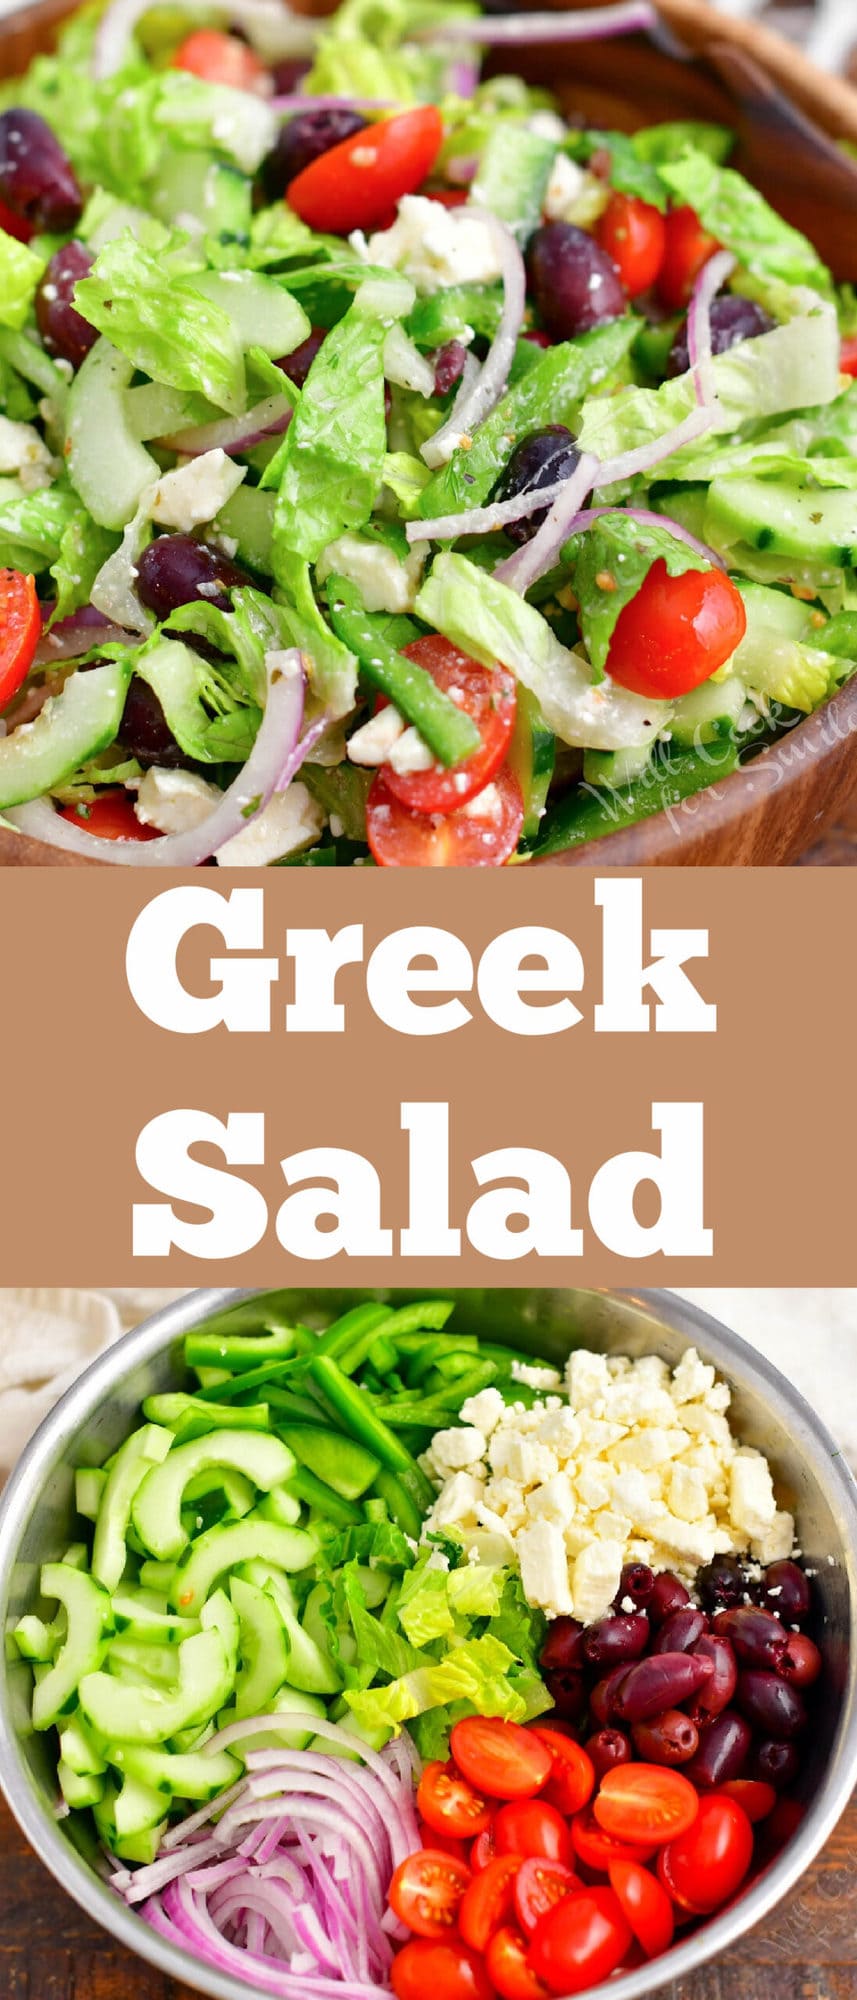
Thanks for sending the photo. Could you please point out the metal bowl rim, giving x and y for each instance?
(94, 1896)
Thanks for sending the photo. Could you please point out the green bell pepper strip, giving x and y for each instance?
(241, 1351)
(429, 1314)
(342, 1463)
(417, 1416)
(191, 1416)
(587, 814)
(339, 1335)
(293, 1409)
(403, 1510)
(316, 1493)
(382, 1357)
(354, 1410)
(449, 733)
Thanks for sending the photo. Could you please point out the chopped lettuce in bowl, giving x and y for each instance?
(390, 470)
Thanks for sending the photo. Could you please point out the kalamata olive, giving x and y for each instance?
(724, 1747)
(785, 1591)
(540, 459)
(722, 1583)
(603, 1695)
(37, 180)
(176, 569)
(668, 1594)
(717, 1692)
(448, 363)
(670, 1738)
(680, 1631)
(801, 1663)
(732, 319)
(63, 329)
(607, 1748)
(298, 364)
(144, 731)
(563, 1647)
(637, 1582)
(567, 1690)
(770, 1704)
(662, 1681)
(622, 1635)
(303, 139)
(574, 284)
(288, 74)
(758, 1638)
(776, 1763)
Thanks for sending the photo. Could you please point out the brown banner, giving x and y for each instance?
(751, 1126)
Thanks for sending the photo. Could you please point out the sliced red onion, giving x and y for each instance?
(645, 457)
(462, 76)
(462, 169)
(277, 754)
(485, 520)
(270, 25)
(234, 434)
(307, 101)
(533, 558)
(78, 634)
(591, 24)
(486, 387)
(645, 519)
(712, 276)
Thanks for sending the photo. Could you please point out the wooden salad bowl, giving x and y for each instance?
(791, 120)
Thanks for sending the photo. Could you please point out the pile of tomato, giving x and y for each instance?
(537, 1877)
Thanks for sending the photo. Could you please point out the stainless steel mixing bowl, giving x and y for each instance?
(37, 1522)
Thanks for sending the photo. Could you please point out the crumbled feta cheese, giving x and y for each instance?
(535, 1378)
(291, 820)
(386, 582)
(453, 1450)
(563, 188)
(437, 246)
(23, 451)
(515, 1457)
(410, 752)
(458, 1501)
(687, 1496)
(195, 492)
(484, 1410)
(692, 1378)
(174, 801)
(587, 1379)
(372, 744)
(548, 125)
(595, 1579)
(751, 1493)
(777, 1540)
(544, 1568)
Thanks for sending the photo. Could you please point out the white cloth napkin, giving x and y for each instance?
(47, 1338)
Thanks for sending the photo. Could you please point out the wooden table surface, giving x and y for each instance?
(49, 1950)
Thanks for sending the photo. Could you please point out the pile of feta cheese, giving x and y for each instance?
(632, 1463)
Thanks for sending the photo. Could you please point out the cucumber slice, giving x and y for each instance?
(79, 1788)
(72, 728)
(107, 464)
(143, 1449)
(138, 1660)
(225, 1548)
(615, 767)
(346, 1466)
(157, 1577)
(293, 1735)
(532, 756)
(139, 1808)
(709, 711)
(129, 1714)
(89, 1484)
(263, 1646)
(220, 1615)
(310, 1666)
(213, 193)
(779, 611)
(188, 1775)
(815, 526)
(145, 1615)
(34, 1639)
(80, 1749)
(262, 314)
(513, 175)
(156, 1508)
(282, 1506)
(237, 1497)
(90, 1616)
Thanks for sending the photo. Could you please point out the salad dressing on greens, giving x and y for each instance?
(390, 469)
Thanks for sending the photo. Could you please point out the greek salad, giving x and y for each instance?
(390, 1659)
(394, 467)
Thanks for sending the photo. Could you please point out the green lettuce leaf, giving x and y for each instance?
(492, 622)
(20, 271)
(778, 656)
(621, 549)
(332, 668)
(199, 704)
(434, 1600)
(32, 526)
(741, 219)
(159, 322)
(330, 466)
(634, 159)
(83, 549)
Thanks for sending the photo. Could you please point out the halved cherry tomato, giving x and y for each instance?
(431, 1836)
(676, 632)
(847, 353)
(581, 1941)
(483, 834)
(688, 246)
(782, 1824)
(509, 1969)
(645, 1803)
(634, 234)
(572, 1779)
(449, 1804)
(501, 1758)
(596, 1848)
(646, 1905)
(16, 225)
(530, 1826)
(355, 184)
(488, 696)
(20, 630)
(219, 58)
(705, 1864)
(483, 1849)
(538, 1885)
(426, 1892)
(757, 1798)
(111, 816)
(488, 1902)
(439, 1969)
